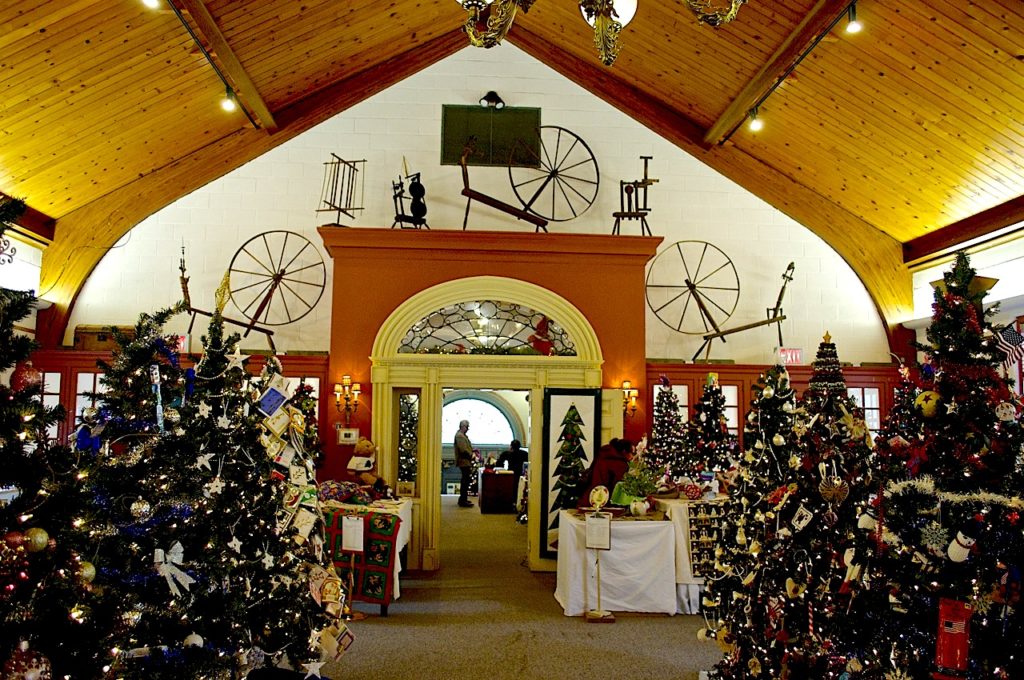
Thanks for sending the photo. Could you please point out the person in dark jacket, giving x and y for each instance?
(608, 467)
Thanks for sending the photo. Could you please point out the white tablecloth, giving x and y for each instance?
(637, 574)
(402, 508)
(689, 586)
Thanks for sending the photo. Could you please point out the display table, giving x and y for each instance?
(497, 492)
(696, 528)
(637, 574)
(387, 527)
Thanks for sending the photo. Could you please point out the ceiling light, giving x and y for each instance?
(755, 124)
(608, 18)
(228, 103)
(853, 26)
(152, 4)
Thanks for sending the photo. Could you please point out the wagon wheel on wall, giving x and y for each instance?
(562, 179)
(692, 287)
(276, 278)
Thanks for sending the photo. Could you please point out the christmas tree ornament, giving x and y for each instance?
(801, 518)
(166, 564)
(193, 640)
(778, 439)
(131, 617)
(954, 634)
(36, 539)
(14, 539)
(754, 666)
(794, 589)
(1006, 412)
(27, 664)
(928, 403)
(934, 536)
(768, 392)
(140, 508)
(959, 548)
(86, 571)
(25, 376)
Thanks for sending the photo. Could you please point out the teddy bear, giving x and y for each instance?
(363, 467)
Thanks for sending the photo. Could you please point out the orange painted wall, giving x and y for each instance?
(375, 270)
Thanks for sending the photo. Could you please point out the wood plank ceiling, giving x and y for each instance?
(899, 138)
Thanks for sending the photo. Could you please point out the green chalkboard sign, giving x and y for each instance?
(502, 137)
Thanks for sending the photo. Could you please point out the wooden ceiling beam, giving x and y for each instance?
(817, 21)
(242, 85)
(34, 225)
(875, 257)
(88, 232)
(976, 226)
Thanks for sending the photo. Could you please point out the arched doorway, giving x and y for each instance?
(394, 373)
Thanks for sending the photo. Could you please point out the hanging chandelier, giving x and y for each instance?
(490, 20)
(715, 12)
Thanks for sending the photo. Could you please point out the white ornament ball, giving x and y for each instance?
(1005, 412)
(778, 439)
(140, 509)
(194, 640)
(767, 392)
(788, 407)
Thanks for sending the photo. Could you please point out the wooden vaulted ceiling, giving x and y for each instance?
(889, 144)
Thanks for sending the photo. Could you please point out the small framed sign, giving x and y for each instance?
(348, 435)
(599, 531)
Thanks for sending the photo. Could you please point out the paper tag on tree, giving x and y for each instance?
(303, 523)
(335, 641)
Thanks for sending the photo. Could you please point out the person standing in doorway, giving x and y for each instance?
(464, 461)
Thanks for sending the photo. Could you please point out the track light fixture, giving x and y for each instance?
(228, 103)
(852, 25)
(755, 124)
(152, 4)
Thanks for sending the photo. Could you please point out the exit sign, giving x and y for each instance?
(791, 356)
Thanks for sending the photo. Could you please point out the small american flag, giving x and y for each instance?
(1012, 343)
(954, 626)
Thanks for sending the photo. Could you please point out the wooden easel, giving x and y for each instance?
(473, 195)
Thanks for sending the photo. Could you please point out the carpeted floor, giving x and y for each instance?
(485, 614)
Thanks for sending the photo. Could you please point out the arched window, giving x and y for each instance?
(488, 426)
(487, 327)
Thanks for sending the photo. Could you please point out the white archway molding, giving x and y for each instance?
(556, 307)
(428, 375)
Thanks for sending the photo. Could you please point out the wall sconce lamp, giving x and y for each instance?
(348, 392)
(629, 395)
(492, 100)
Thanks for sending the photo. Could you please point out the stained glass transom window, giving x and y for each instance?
(487, 327)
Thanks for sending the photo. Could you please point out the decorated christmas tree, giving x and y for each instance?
(408, 428)
(949, 564)
(571, 462)
(44, 582)
(833, 551)
(668, 452)
(715, 449)
(743, 606)
(305, 400)
(204, 517)
(802, 560)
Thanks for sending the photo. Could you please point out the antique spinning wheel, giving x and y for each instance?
(564, 179)
(276, 278)
(692, 287)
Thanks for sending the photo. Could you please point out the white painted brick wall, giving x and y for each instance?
(281, 189)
